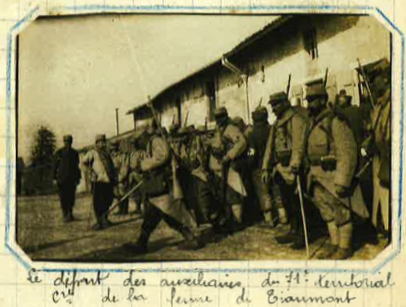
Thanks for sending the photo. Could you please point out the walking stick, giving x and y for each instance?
(299, 189)
(91, 206)
(124, 198)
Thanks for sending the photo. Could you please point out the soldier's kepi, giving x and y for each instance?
(332, 153)
(283, 159)
(156, 169)
(227, 145)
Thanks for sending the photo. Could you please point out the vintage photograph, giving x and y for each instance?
(173, 137)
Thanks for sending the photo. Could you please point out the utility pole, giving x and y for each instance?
(117, 123)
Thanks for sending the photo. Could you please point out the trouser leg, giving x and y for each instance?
(123, 207)
(71, 200)
(264, 196)
(204, 199)
(62, 198)
(151, 220)
(102, 199)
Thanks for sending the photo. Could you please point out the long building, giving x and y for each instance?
(304, 49)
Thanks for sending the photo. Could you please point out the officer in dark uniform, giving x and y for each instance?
(67, 176)
(283, 160)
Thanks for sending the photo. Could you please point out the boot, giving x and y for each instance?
(344, 247)
(283, 217)
(237, 212)
(298, 243)
(191, 242)
(286, 239)
(141, 246)
(334, 240)
(328, 252)
(268, 219)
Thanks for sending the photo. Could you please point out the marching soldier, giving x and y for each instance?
(257, 139)
(156, 170)
(100, 165)
(67, 176)
(332, 154)
(121, 167)
(283, 157)
(227, 146)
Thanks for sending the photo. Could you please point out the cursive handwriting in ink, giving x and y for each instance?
(325, 283)
(274, 298)
(33, 276)
(186, 301)
(243, 298)
(200, 282)
(69, 281)
(268, 282)
(132, 297)
(109, 298)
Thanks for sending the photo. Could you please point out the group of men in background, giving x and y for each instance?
(239, 174)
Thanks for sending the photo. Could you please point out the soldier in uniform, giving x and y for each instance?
(198, 157)
(257, 138)
(67, 176)
(353, 114)
(283, 157)
(227, 146)
(100, 165)
(156, 169)
(121, 167)
(378, 146)
(332, 154)
(136, 154)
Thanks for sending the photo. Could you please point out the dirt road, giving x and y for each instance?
(44, 236)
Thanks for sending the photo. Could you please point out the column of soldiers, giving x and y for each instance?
(307, 157)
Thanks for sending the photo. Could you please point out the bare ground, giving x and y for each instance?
(43, 235)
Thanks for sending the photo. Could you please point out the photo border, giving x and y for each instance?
(97, 9)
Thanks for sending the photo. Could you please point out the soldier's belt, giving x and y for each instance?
(327, 163)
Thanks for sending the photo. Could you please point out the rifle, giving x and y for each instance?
(187, 116)
(325, 78)
(364, 76)
(288, 86)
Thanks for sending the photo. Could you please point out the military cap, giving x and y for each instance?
(343, 94)
(316, 90)
(260, 113)
(278, 98)
(115, 144)
(100, 137)
(239, 122)
(173, 128)
(220, 112)
(68, 138)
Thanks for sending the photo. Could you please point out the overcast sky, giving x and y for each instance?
(75, 71)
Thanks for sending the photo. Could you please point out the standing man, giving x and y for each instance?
(378, 145)
(332, 154)
(156, 170)
(67, 176)
(121, 168)
(283, 158)
(136, 155)
(257, 140)
(227, 146)
(100, 165)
